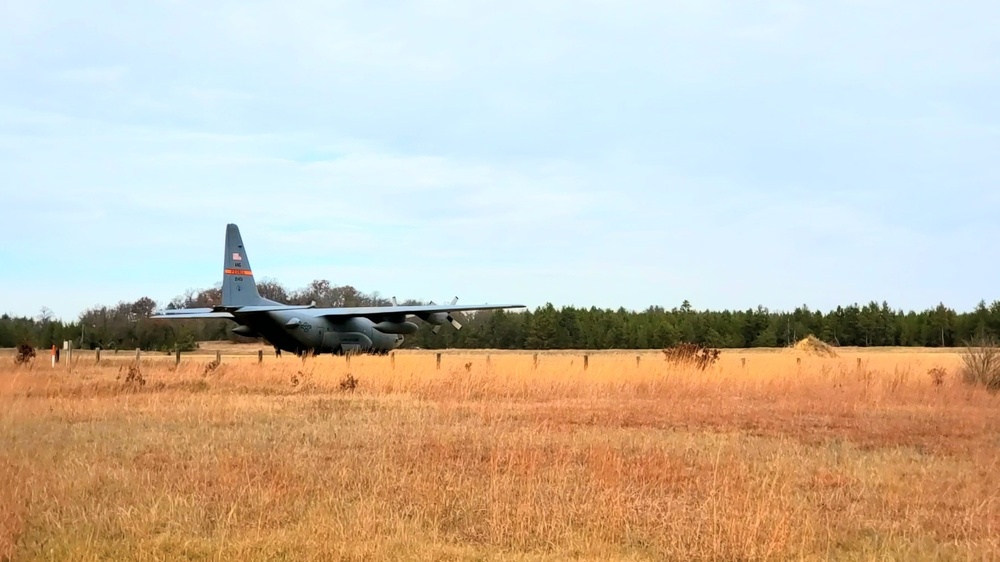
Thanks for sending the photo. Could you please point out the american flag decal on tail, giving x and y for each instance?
(237, 256)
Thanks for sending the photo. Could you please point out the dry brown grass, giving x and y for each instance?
(763, 456)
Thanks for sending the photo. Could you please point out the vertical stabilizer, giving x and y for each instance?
(238, 286)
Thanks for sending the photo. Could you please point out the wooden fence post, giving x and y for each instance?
(138, 354)
(534, 364)
(347, 359)
(97, 354)
(260, 356)
(439, 361)
(218, 356)
(637, 359)
(586, 361)
(69, 357)
(177, 356)
(392, 359)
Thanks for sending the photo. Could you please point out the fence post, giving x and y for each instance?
(534, 359)
(392, 359)
(439, 361)
(218, 356)
(586, 361)
(69, 356)
(138, 354)
(347, 359)
(260, 356)
(177, 356)
(637, 359)
(98, 354)
(54, 355)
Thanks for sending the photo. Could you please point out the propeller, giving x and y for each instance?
(438, 318)
(449, 318)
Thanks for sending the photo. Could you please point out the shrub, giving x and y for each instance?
(210, 367)
(691, 354)
(938, 375)
(25, 353)
(349, 383)
(981, 362)
(133, 376)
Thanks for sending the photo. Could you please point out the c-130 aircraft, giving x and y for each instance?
(306, 329)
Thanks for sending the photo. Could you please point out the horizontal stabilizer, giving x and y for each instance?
(176, 311)
(262, 308)
(192, 313)
(225, 311)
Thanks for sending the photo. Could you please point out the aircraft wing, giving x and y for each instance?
(416, 310)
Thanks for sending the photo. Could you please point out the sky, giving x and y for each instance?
(587, 153)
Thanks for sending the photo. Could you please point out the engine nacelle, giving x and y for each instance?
(387, 327)
(245, 331)
(437, 318)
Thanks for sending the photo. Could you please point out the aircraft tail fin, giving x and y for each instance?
(238, 286)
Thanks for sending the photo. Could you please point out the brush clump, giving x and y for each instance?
(815, 346)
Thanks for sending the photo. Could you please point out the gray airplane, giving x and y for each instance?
(305, 328)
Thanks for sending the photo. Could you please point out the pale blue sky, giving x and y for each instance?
(586, 153)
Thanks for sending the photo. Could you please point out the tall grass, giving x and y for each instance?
(981, 363)
(762, 456)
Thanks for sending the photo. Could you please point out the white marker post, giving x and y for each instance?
(53, 356)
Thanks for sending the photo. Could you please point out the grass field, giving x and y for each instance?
(775, 455)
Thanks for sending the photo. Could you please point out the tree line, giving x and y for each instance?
(127, 326)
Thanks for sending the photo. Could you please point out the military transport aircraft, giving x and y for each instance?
(305, 328)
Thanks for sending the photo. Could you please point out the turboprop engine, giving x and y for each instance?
(438, 319)
(389, 327)
(441, 318)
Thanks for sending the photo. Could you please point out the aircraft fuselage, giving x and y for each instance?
(299, 331)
